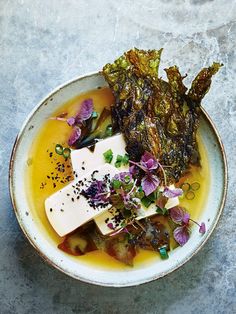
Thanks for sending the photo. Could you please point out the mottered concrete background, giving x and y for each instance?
(45, 43)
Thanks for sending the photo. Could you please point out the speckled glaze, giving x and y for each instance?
(79, 270)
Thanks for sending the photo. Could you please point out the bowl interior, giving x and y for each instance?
(47, 249)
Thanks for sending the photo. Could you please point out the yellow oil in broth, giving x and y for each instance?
(42, 165)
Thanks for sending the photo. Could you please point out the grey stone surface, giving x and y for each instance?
(43, 44)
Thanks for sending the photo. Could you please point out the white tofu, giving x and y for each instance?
(83, 160)
(101, 220)
(65, 212)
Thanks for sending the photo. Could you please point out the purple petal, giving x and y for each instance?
(122, 175)
(110, 225)
(133, 170)
(85, 111)
(75, 135)
(148, 161)
(181, 235)
(168, 192)
(149, 184)
(202, 228)
(71, 121)
(176, 214)
(186, 218)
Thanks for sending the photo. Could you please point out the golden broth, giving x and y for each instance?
(43, 168)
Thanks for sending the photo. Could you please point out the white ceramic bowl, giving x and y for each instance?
(88, 273)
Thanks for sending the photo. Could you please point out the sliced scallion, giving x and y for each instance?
(190, 195)
(66, 152)
(185, 187)
(163, 253)
(195, 186)
(59, 149)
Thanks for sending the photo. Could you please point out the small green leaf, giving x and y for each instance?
(108, 156)
(116, 184)
(146, 201)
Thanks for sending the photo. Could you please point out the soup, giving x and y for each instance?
(49, 172)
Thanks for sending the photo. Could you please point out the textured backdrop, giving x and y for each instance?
(43, 44)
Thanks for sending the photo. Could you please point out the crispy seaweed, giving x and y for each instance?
(155, 115)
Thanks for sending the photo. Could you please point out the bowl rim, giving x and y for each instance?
(43, 255)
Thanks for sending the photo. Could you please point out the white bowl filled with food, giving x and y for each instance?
(119, 177)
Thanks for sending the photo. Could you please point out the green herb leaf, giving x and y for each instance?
(146, 201)
(108, 156)
(116, 184)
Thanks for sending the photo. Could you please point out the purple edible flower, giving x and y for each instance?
(181, 217)
(169, 192)
(121, 176)
(85, 111)
(202, 228)
(149, 183)
(75, 135)
(133, 170)
(148, 162)
(177, 214)
(181, 234)
(186, 218)
(71, 121)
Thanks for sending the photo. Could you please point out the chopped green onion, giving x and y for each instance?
(118, 162)
(59, 149)
(108, 156)
(195, 186)
(94, 115)
(190, 195)
(116, 184)
(125, 159)
(66, 152)
(146, 201)
(163, 253)
(185, 187)
(109, 130)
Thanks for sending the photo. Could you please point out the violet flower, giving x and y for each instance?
(121, 176)
(148, 162)
(85, 112)
(172, 192)
(182, 218)
(181, 235)
(149, 183)
(75, 135)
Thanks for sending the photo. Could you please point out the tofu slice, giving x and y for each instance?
(84, 160)
(67, 209)
(111, 214)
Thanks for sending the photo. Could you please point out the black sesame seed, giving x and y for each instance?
(50, 209)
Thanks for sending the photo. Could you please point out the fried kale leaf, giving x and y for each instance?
(155, 115)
